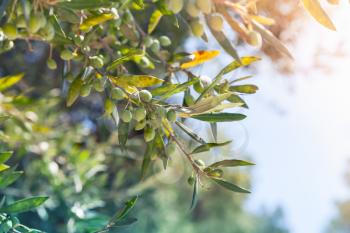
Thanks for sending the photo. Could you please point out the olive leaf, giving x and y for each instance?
(231, 163)
(246, 89)
(9, 81)
(154, 20)
(219, 117)
(200, 57)
(24, 205)
(95, 20)
(315, 9)
(230, 186)
(208, 146)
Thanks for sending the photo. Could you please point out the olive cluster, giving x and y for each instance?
(142, 113)
(27, 23)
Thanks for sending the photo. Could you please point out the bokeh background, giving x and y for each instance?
(296, 132)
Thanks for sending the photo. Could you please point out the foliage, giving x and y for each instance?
(104, 50)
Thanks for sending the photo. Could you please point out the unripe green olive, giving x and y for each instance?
(35, 23)
(204, 5)
(85, 90)
(216, 22)
(96, 62)
(126, 115)
(51, 63)
(10, 31)
(198, 87)
(48, 32)
(254, 39)
(175, 5)
(161, 112)
(66, 55)
(139, 114)
(117, 93)
(145, 62)
(149, 134)
(155, 47)
(170, 148)
(140, 125)
(21, 22)
(109, 106)
(200, 162)
(164, 41)
(171, 115)
(191, 180)
(218, 173)
(148, 41)
(42, 19)
(192, 10)
(145, 96)
(99, 85)
(70, 77)
(189, 100)
(197, 28)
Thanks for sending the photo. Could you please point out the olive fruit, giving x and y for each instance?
(21, 22)
(126, 115)
(10, 31)
(139, 114)
(215, 173)
(191, 180)
(161, 112)
(170, 148)
(140, 125)
(189, 100)
(96, 62)
(99, 85)
(200, 162)
(51, 63)
(148, 41)
(198, 87)
(66, 55)
(204, 81)
(171, 115)
(164, 41)
(254, 39)
(204, 5)
(35, 23)
(70, 77)
(216, 22)
(109, 106)
(192, 10)
(145, 62)
(117, 93)
(145, 96)
(48, 32)
(85, 90)
(149, 133)
(155, 47)
(197, 28)
(26, 10)
(175, 5)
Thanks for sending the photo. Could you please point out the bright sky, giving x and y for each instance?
(298, 126)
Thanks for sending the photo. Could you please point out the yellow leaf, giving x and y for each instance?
(95, 20)
(263, 20)
(130, 82)
(200, 57)
(9, 81)
(315, 9)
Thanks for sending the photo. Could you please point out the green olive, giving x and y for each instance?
(216, 22)
(139, 114)
(140, 125)
(164, 41)
(171, 115)
(96, 62)
(204, 5)
(197, 28)
(148, 41)
(10, 31)
(175, 5)
(191, 180)
(149, 134)
(117, 93)
(192, 10)
(85, 90)
(155, 47)
(200, 162)
(48, 32)
(66, 55)
(35, 23)
(254, 39)
(215, 173)
(145, 96)
(51, 63)
(21, 22)
(126, 115)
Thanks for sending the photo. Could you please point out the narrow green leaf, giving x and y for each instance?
(4, 156)
(163, 89)
(179, 88)
(147, 158)
(230, 186)
(160, 148)
(208, 146)
(120, 215)
(125, 58)
(85, 4)
(245, 61)
(231, 163)
(219, 117)
(237, 99)
(9, 176)
(74, 90)
(24, 205)
(195, 193)
(3, 167)
(190, 133)
(123, 132)
(154, 20)
(125, 222)
(246, 89)
(224, 42)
